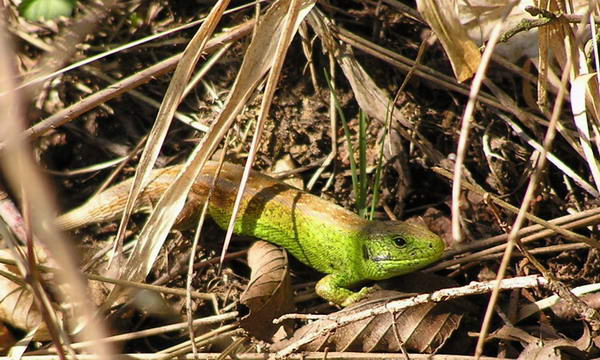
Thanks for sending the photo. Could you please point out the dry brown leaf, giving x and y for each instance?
(478, 17)
(155, 232)
(286, 163)
(463, 53)
(98, 290)
(543, 348)
(554, 349)
(564, 311)
(17, 307)
(423, 328)
(269, 293)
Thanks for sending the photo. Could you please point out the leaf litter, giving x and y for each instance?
(375, 47)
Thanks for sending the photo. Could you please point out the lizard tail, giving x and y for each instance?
(92, 212)
(110, 204)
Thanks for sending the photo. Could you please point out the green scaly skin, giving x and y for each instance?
(319, 233)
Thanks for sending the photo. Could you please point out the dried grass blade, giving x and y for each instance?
(24, 176)
(467, 119)
(147, 248)
(579, 88)
(372, 99)
(463, 53)
(552, 158)
(252, 71)
(295, 15)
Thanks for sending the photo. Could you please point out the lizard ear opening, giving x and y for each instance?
(366, 254)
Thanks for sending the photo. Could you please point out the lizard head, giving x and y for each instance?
(393, 248)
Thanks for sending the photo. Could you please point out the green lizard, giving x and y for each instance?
(320, 234)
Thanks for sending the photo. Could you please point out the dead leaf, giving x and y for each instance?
(546, 344)
(98, 290)
(372, 99)
(286, 163)
(423, 328)
(17, 306)
(564, 310)
(552, 349)
(461, 50)
(269, 293)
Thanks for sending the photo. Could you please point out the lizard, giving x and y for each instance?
(325, 236)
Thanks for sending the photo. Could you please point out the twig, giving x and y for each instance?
(546, 18)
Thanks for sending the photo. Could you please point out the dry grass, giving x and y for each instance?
(503, 158)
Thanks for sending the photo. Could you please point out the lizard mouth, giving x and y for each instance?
(380, 258)
(368, 255)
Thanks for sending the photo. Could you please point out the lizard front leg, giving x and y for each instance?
(333, 288)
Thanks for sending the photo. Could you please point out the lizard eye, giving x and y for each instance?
(399, 241)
